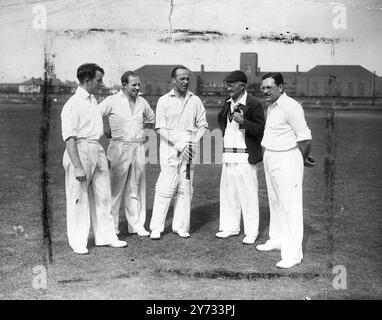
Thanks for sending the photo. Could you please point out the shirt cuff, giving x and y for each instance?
(205, 125)
(159, 125)
(66, 138)
(304, 136)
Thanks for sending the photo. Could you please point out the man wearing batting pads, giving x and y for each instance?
(87, 181)
(180, 122)
(128, 112)
(287, 143)
(242, 123)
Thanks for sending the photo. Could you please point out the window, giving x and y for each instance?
(338, 89)
(328, 88)
(148, 88)
(361, 89)
(315, 88)
(350, 89)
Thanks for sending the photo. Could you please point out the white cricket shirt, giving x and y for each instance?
(181, 119)
(80, 117)
(125, 124)
(285, 125)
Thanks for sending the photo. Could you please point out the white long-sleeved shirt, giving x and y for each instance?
(80, 117)
(125, 124)
(180, 119)
(174, 114)
(234, 137)
(285, 125)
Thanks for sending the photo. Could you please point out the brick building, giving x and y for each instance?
(156, 79)
(338, 81)
(353, 81)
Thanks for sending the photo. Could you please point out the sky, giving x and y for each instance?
(124, 35)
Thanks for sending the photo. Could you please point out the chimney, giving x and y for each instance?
(297, 68)
(249, 64)
(202, 69)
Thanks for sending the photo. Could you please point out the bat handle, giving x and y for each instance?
(188, 166)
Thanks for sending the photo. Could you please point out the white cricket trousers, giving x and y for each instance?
(284, 175)
(128, 182)
(172, 182)
(90, 199)
(239, 195)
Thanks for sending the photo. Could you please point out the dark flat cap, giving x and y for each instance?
(236, 75)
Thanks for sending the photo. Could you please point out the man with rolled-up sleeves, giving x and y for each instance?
(87, 183)
(287, 144)
(128, 113)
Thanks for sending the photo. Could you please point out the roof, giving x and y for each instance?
(285, 74)
(69, 83)
(156, 69)
(33, 81)
(340, 71)
(152, 70)
(212, 76)
(55, 82)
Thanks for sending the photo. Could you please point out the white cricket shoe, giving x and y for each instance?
(155, 235)
(284, 264)
(268, 246)
(143, 233)
(80, 250)
(226, 234)
(249, 239)
(182, 234)
(118, 244)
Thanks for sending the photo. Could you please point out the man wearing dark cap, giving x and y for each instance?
(242, 123)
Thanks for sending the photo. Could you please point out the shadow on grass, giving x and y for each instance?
(203, 215)
(235, 275)
(263, 222)
(200, 216)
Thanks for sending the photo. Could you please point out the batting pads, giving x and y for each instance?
(171, 183)
(167, 182)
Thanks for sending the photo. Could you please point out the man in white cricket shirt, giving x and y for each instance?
(87, 182)
(287, 144)
(128, 113)
(181, 122)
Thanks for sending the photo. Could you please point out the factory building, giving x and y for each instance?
(353, 81)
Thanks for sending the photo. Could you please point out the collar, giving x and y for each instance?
(281, 99)
(122, 94)
(83, 93)
(172, 93)
(242, 100)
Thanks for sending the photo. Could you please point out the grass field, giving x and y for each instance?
(347, 233)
